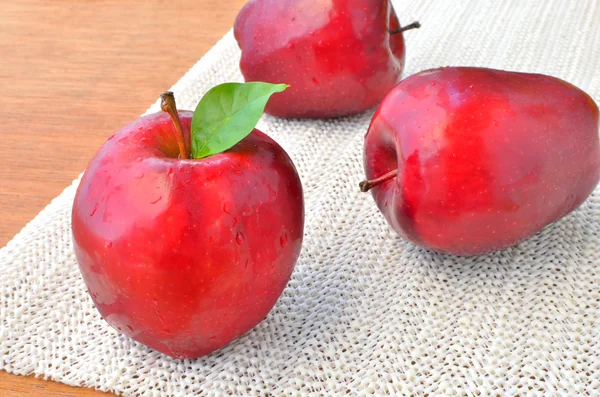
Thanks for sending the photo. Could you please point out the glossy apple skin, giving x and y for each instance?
(485, 158)
(186, 255)
(337, 55)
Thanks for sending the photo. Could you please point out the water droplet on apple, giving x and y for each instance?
(156, 200)
(139, 176)
(315, 81)
(155, 302)
(227, 208)
(211, 240)
(246, 265)
(170, 172)
(94, 209)
(212, 339)
(130, 328)
(235, 221)
(248, 287)
(239, 238)
(283, 240)
(108, 244)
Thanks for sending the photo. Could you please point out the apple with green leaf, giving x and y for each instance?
(187, 226)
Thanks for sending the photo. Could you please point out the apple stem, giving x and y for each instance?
(167, 104)
(365, 186)
(414, 25)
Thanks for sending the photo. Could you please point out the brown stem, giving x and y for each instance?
(365, 186)
(414, 25)
(167, 104)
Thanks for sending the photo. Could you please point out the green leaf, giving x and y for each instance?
(227, 114)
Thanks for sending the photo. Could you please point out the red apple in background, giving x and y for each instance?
(184, 254)
(339, 56)
(468, 160)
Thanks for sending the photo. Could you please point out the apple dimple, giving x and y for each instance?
(381, 152)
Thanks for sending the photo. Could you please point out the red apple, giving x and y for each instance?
(339, 57)
(185, 255)
(468, 160)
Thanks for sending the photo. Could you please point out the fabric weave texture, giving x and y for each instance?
(365, 312)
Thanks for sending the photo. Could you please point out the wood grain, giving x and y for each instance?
(71, 74)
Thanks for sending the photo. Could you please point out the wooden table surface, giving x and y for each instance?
(71, 74)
